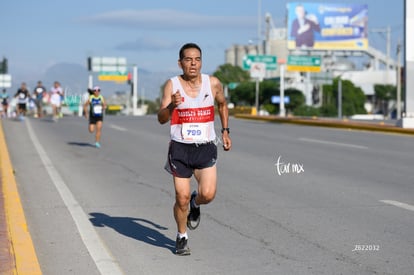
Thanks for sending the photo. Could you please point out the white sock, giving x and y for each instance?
(180, 235)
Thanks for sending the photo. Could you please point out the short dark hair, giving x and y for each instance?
(189, 46)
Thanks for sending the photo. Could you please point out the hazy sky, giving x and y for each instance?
(38, 34)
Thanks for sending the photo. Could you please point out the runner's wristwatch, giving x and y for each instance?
(225, 129)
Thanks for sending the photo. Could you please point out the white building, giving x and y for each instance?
(381, 69)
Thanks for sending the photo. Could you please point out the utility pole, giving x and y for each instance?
(282, 111)
(90, 75)
(259, 40)
(388, 47)
(340, 97)
(259, 25)
(386, 30)
(135, 90)
(399, 80)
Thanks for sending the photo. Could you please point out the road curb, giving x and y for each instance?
(343, 124)
(21, 243)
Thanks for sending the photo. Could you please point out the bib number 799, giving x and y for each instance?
(193, 132)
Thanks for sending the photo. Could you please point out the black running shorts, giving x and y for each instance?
(94, 119)
(184, 158)
(21, 106)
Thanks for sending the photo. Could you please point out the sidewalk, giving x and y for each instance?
(375, 125)
(17, 253)
(7, 263)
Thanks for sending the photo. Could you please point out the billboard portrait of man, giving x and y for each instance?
(326, 26)
(303, 28)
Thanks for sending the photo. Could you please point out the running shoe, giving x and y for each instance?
(97, 145)
(193, 218)
(181, 247)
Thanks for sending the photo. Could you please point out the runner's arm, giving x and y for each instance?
(166, 107)
(104, 104)
(223, 111)
(85, 108)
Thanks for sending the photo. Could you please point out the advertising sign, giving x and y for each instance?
(300, 63)
(325, 26)
(113, 76)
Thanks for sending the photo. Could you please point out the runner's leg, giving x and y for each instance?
(182, 200)
(91, 128)
(207, 184)
(98, 131)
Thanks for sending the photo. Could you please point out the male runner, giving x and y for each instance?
(22, 96)
(56, 93)
(97, 106)
(188, 101)
(38, 93)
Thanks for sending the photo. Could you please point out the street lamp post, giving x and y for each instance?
(340, 97)
(256, 104)
(282, 111)
(135, 90)
(259, 27)
(399, 80)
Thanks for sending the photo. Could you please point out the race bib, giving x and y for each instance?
(195, 132)
(39, 90)
(22, 96)
(97, 110)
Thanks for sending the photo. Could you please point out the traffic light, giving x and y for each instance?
(4, 68)
(129, 79)
(89, 63)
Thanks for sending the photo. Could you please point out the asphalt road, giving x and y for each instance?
(291, 200)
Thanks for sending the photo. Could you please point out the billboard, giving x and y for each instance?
(324, 26)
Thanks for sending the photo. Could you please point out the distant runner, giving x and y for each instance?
(4, 96)
(38, 93)
(96, 104)
(56, 93)
(22, 96)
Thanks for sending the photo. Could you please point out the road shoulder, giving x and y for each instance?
(20, 245)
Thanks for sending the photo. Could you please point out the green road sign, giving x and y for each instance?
(233, 85)
(269, 60)
(304, 63)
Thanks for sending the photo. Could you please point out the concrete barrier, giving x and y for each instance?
(378, 126)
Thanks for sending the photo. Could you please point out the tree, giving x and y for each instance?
(353, 98)
(228, 73)
(383, 94)
(243, 94)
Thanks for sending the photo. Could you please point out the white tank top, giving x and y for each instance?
(193, 120)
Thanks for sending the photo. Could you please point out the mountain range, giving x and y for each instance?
(74, 79)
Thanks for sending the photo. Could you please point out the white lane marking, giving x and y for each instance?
(117, 127)
(399, 204)
(98, 251)
(333, 143)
